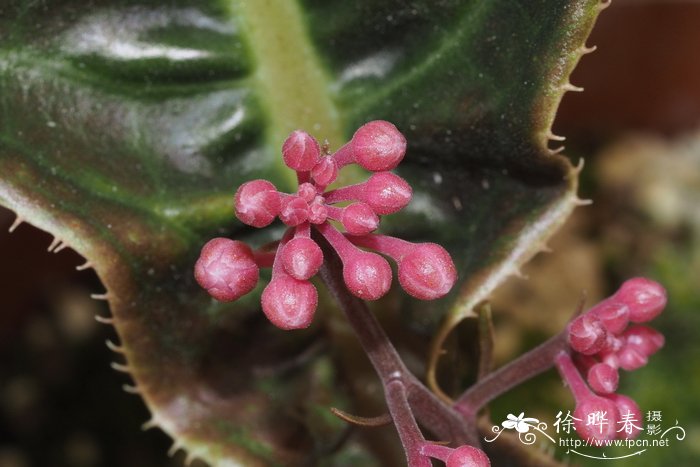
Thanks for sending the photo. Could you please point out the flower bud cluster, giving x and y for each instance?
(604, 339)
(228, 269)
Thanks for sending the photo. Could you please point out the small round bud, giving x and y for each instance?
(613, 314)
(630, 424)
(467, 456)
(378, 146)
(301, 258)
(427, 272)
(226, 269)
(325, 171)
(307, 192)
(300, 151)
(366, 275)
(587, 334)
(645, 340)
(603, 378)
(294, 211)
(597, 419)
(610, 358)
(359, 219)
(646, 299)
(612, 344)
(631, 359)
(318, 212)
(257, 203)
(387, 193)
(289, 303)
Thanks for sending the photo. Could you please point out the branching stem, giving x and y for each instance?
(527, 366)
(438, 417)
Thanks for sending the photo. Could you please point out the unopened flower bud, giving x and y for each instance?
(387, 193)
(359, 219)
(301, 258)
(289, 303)
(257, 203)
(587, 334)
(294, 211)
(467, 456)
(646, 299)
(325, 171)
(613, 314)
(644, 339)
(226, 269)
(300, 151)
(603, 378)
(427, 272)
(366, 275)
(596, 419)
(378, 146)
(630, 424)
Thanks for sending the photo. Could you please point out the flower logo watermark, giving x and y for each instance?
(658, 436)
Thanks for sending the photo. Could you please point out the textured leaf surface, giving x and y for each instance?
(126, 125)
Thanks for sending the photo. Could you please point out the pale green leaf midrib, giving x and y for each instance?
(288, 77)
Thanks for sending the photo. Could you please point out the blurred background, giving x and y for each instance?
(637, 125)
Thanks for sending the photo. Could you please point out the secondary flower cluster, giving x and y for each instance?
(229, 269)
(603, 341)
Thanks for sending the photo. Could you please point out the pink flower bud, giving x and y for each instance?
(257, 203)
(294, 211)
(386, 193)
(301, 258)
(366, 275)
(645, 340)
(300, 151)
(630, 424)
(646, 299)
(630, 358)
(613, 314)
(226, 269)
(612, 344)
(603, 378)
(467, 456)
(610, 358)
(289, 303)
(427, 272)
(318, 211)
(359, 219)
(307, 192)
(597, 419)
(378, 146)
(325, 171)
(587, 334)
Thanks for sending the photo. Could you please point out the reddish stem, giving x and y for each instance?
(344, 156)
(337, 240)
(391, 246)
(534, 362)
(573, 378)
(436, 451)
(346, 193)
(434, 414)
(409, 433)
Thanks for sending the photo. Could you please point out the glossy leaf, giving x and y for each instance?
(126, 125)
